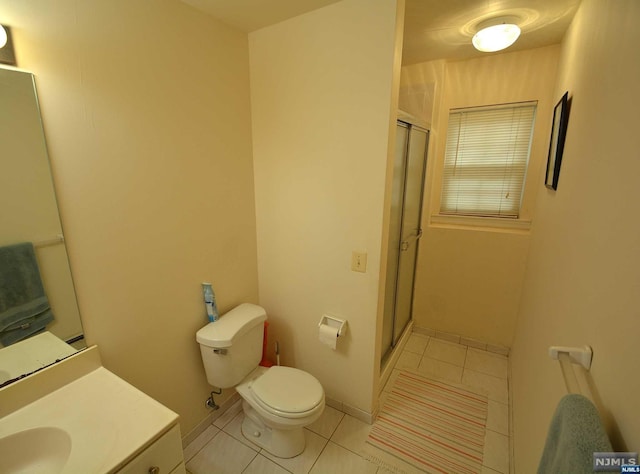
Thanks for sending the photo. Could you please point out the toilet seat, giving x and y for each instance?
(287, 392)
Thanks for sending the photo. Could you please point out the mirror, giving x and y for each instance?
(30, 214)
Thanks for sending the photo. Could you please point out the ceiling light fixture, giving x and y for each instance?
(496, 34)
(3, 36)
(7, 54)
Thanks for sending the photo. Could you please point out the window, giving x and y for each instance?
(486, 160)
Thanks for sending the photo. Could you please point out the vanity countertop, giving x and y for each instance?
(109, 420)
(32, 354)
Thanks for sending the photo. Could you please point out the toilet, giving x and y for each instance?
(278, 402)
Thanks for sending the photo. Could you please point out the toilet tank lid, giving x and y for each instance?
(231, 325)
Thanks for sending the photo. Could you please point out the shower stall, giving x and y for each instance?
(404, 230)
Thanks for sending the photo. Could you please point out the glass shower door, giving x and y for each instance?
(411, 232)
(404, 231)
(395, 231)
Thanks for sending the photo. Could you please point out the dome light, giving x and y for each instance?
(3, 37)
(496, 34)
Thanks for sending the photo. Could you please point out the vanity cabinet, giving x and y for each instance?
(164, 456)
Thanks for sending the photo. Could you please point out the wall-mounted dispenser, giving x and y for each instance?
(330, 329)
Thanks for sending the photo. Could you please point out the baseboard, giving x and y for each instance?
(465, 341)
(349, 410)
(512, 449)
(358, 413)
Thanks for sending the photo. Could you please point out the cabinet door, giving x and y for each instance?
(165, 455)
(181, 469)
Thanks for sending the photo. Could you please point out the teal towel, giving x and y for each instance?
(576, 432)
(24, 307)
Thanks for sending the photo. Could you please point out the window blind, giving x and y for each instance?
(486, 159)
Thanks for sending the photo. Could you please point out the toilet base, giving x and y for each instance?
(281, 443)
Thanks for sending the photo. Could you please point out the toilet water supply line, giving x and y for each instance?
(277, 353)
(210, 403)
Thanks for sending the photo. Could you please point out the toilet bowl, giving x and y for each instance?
(278, 402)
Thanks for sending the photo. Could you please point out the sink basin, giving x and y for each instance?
(38, 450)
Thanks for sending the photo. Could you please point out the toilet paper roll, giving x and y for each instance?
(328, 335)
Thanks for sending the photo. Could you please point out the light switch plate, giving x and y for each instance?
(359, 262)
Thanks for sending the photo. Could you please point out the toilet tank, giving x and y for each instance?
(231, 347)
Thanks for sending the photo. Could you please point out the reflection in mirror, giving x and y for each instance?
(37, 296)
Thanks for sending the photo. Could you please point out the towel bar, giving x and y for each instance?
(58, 239)
(575, 362)
(578, 355)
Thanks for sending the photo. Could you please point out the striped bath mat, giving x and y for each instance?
(433, 426)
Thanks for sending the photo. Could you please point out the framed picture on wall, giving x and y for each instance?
(556, 144)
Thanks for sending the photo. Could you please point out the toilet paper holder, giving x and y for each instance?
(332, 321)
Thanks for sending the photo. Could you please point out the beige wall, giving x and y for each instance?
(582, 279)
(147, 115)
(321, 90)
(487, 263)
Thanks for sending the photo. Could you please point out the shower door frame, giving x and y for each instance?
(395, 333)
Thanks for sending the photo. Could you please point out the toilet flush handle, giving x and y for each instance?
(220, 351)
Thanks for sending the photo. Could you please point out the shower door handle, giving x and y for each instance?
(404, 245)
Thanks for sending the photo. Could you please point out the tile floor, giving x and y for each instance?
(335, 441)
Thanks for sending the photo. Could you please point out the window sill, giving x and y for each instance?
(495, 224)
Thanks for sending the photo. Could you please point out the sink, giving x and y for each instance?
(76, 417)
(38, 450)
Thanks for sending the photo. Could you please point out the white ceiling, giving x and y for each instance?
(437, 29)
(434, 29)
(251, 15)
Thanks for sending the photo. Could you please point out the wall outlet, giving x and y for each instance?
(359, 262)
